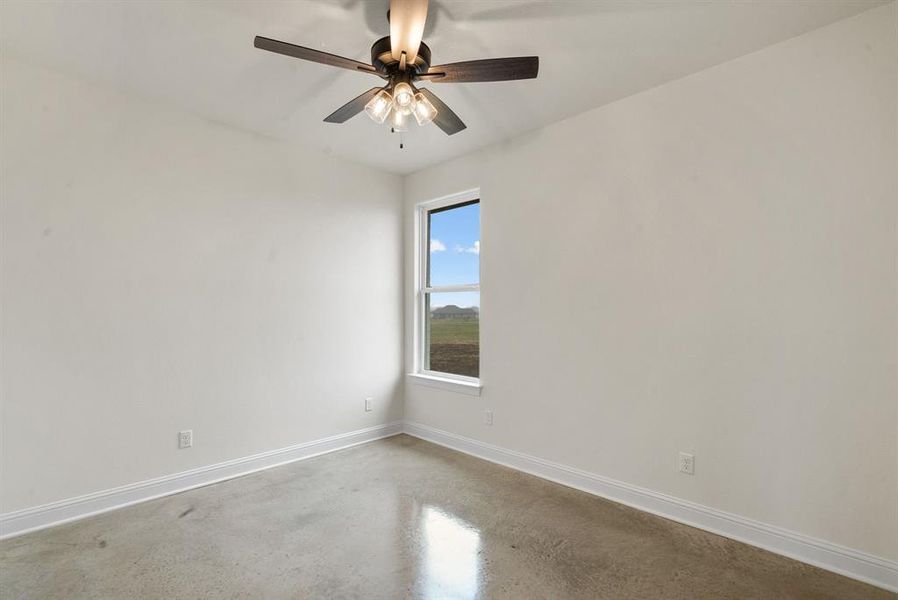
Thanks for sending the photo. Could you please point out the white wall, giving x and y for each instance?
(707, 266)
(163, 272)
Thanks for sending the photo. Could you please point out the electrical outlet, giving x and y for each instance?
(488, 417)
(369, 403)
(185, 439)
(686, 463)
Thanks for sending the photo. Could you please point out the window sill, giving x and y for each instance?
(469, 388)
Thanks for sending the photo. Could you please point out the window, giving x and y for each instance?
(448, 294)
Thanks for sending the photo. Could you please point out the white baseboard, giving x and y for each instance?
(839, 559)
(832, 557)
(72, 509)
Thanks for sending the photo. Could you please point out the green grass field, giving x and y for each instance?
(455, 346)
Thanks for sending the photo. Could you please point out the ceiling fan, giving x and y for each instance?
(403, 59)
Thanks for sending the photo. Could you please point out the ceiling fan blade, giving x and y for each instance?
(317, 56)
(352, 108)
(407, 19)
(490, 69)
(446, 120)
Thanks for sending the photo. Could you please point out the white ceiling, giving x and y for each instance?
(200, 56)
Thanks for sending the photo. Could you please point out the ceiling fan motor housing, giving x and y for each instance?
(382, 59)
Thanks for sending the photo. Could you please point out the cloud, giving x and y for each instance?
(475, 249)
(437, 246)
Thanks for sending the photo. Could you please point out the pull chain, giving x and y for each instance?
(401, 141)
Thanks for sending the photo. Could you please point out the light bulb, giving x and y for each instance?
(378, 108)
(424, 111)
(399, 122)
(403, 96)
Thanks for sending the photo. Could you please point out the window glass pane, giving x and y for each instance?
(452, 333)
(454, 245)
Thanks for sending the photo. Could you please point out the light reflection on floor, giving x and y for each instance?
(451, 557)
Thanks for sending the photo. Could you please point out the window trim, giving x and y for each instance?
(439, 379)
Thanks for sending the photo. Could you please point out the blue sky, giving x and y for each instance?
(455, 253)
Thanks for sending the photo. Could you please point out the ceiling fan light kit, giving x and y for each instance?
(402, 59)
(403, 103)
(399, 122)
(379, 107)
(403, 96)
(424, 111)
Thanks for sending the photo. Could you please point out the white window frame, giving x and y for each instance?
(448, 381)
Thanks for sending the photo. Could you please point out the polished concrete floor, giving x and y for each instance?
(397, 518)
